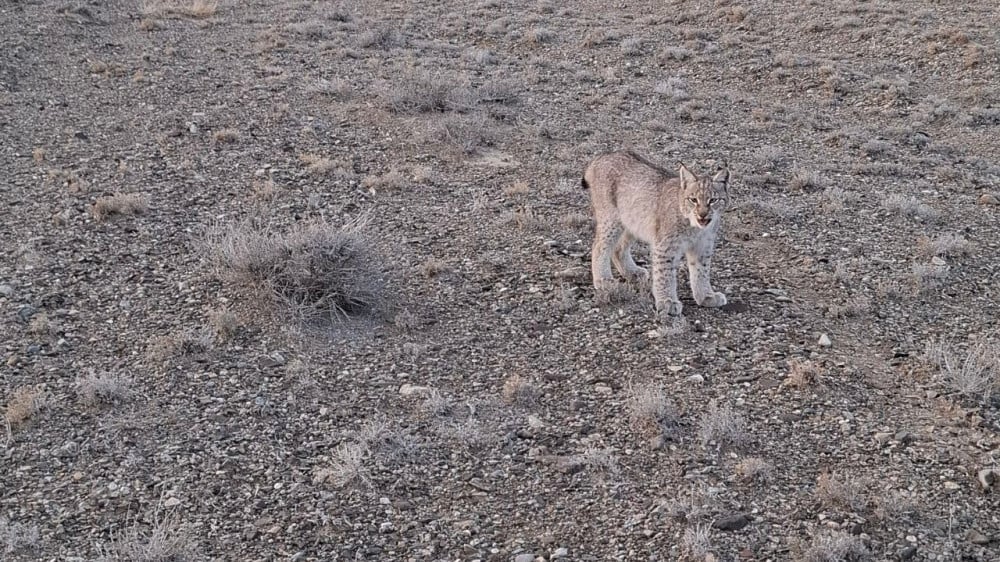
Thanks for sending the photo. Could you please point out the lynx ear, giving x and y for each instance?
(722, 176)
(686, 176)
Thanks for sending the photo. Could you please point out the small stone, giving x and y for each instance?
(697, 379)
(6, 290)
(171, 502)
(535, 422)
(907, 553)
(733, 522)
(386, 527)
(975, 537)
(988, 477)
(526, 557)
(905, 437)
(413, 390)
(26, 312)
(883, 437)
(938, 260)
(698, 326)
(988, 199)
(675, 368)
(949, 485)
(603, 388)
(561, 552)
(298, 556)
(824, 341)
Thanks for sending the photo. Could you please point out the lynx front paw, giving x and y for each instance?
(669, 308)
(713, 300)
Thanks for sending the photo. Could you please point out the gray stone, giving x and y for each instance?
(733, 522)
(824, 341)
(907, 553)
(988, 477)
(526, 557)
(26, 312)
(561, 552)
(6, 290)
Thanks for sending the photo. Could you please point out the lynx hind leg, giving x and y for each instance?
(700, 269)
(606, 237)
(625, 264)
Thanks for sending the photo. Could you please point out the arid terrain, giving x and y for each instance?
(191, 189)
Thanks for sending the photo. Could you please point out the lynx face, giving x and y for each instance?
(703, 199)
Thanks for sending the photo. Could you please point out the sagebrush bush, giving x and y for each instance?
(317, 270)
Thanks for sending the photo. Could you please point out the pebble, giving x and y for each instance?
(171, 502)
(907, 553)
(988, 477)
(824, 341)
(949, 485)
(26, 312)
(905, 437)
(697, 379)
(6, 290)
(526, 557)
(975, 537)
(883, 437)
(733, 522)
(413, 390)
(561, 552)
(988, 199)
(938, 261)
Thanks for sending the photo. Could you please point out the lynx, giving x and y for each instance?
(676, 214)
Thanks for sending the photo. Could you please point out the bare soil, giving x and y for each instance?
(156, 411)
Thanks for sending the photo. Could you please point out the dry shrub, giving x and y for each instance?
(949, 245)
(976, 376)
(519, 392)
(432, 267)
(540, 35)
(24, 403)
(425, 92)
(105, 388)
(465, 134)
(801, 373)
(346, 466)
(519, 187)
(837, 547)
(316, 270)
(166, 540)
(181, 343)
(17, 537)
(650, 411)
(835, 491)
(754, 469)
(723, 426)
(390, 181)
(224, 324)
(39, 155)
(195, 9)
(322, 166)
(226, 136)
(119, 204)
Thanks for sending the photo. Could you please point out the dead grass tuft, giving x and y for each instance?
(119, 204)
(17, 537)
(179, 344)
(801, 373)
(194, 9)
(392, 180)
(696, 543)
(103, 389)
(948, 245)
(323, 166)
(837, 547)
(517, 188)
(166, 540)
(540, 35)
(806, 180)
(909, 206)
(519, 392)
(977, 376)
(317, 271)
(650, 411)
(425, 92)
(723, 426)
(225, 136)
(754, 469)
(23, 404)
(835, 491)
(38, 155)
(346, 467)
(224, 323)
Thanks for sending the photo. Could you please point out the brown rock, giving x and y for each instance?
(988, 199)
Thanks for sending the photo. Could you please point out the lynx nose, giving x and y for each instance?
(703, 221)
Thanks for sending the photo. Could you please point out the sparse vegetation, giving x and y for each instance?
(119, 204)
(722, 426)
(95, 389)
(315, 271)
(166, 539)
(650, 412)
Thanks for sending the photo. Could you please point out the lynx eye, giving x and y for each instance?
(713, 201)
(693, 200)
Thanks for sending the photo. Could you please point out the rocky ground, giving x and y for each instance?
(844, 408)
